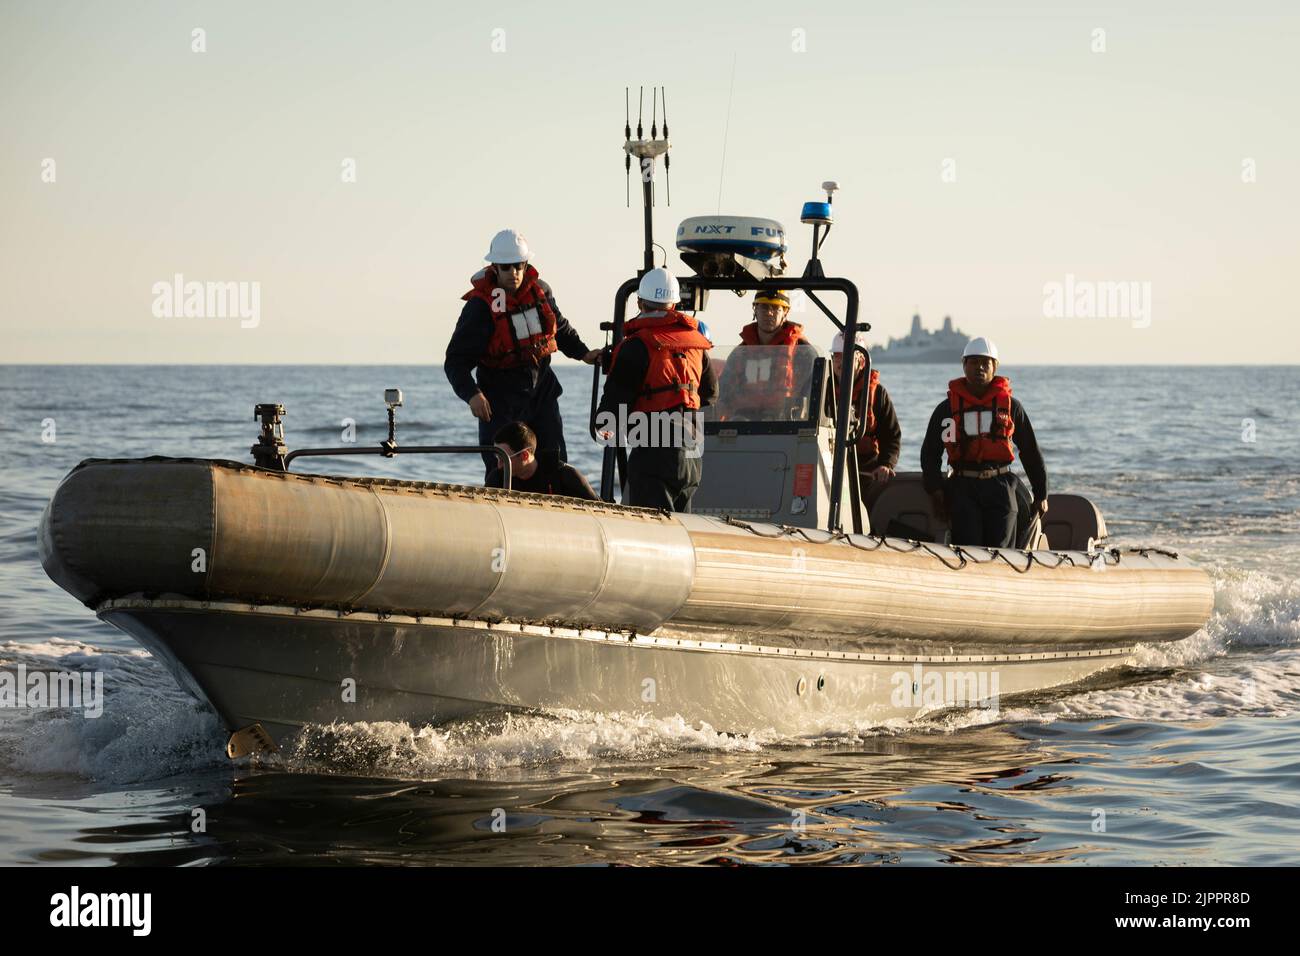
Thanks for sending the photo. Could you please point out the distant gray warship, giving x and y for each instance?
(943, 346)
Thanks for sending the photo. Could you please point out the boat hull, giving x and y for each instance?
(287, 599)
(286, 668)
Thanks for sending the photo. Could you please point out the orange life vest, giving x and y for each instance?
(760, 393)
(982, 423)
(790, 333)
(523, 324)
(676, 349)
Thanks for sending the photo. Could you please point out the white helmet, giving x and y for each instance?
(660, 286)
(837, 343)
(508, 245)
(980, 346)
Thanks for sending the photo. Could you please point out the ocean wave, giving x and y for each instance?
(1253, 609)
(505, 742)
(1258, 687)
(148, 729)
(502, 741)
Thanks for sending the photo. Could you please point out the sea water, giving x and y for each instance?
(1191, 755)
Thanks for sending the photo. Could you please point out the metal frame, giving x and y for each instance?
(271, 452)
(811, 282)
(393, 452)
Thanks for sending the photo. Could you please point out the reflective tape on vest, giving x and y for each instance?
(527, 323)
(758, 370)
(977, 422)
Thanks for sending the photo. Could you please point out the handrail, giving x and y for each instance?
(393, 450)
(595, 398)
(613, 454)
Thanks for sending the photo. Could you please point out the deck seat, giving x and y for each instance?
(1072, 523)
(902, 510)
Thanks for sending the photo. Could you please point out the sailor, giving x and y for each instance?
(508, 329)
(977, 424)
(767, 382)
(541, 472)
(881, 438)
(771, 325)
(659, 378)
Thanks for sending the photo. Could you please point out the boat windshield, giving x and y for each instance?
(766, 383)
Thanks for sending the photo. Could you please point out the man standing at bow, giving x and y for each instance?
(508, 330)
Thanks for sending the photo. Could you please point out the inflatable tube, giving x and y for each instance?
(216, 530)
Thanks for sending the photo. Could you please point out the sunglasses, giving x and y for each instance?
(512, 266)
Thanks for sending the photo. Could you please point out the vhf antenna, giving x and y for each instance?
(668, 183)
(627, 141)
(654, 128)
(646, 152)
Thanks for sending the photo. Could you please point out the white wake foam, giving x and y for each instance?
(149, 727)
(1252, 610)
(1242, 663)
(506, 741)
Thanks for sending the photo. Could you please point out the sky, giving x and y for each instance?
(990, 156)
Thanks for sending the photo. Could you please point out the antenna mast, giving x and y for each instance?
(627, 139)
(646, 152)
